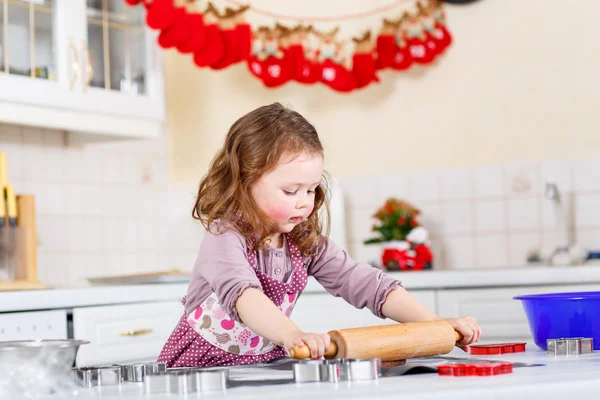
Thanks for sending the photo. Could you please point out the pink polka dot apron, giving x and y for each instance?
(209, 330)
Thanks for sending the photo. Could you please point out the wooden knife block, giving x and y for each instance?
(26, 269)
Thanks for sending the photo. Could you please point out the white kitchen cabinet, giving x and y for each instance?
(501, 318)
(86, 66)
(36, 325)
(124, 333)
(322, 312)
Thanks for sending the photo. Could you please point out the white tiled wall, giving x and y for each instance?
(103, 209)
(486, 217)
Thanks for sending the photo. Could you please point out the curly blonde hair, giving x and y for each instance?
(254, 145)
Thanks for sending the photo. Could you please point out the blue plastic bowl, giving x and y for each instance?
(563, 315)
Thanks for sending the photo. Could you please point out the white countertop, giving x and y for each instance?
(561, 377)
(87, 295)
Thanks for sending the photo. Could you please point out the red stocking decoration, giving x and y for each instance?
(386, 45)
(276, 68)
(363, 62)
(243, 32)
(257, 55)
(178, 33)
(441, 32)
(417, 41)
(305, 69)
(402, 59)
(197, 36)
(212, 51)
(161, 14)
(333, 73)
(230, 42)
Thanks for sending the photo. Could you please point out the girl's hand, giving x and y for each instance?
(468, 328)
(318, 344)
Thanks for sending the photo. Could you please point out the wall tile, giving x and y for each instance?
(490, 216)
(456, 184)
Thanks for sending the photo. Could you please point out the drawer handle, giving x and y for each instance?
(136, 332)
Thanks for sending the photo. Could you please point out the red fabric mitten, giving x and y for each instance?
(197, 37)
(161, 14)
(178, 33)
(213, 50)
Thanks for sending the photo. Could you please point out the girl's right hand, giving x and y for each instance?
(317, 343)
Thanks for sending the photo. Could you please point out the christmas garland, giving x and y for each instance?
(280, 54)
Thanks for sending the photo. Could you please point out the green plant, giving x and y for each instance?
(396, 219)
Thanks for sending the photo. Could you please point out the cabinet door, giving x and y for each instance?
(38, 59)
(322, 312)
(121, 61)
(124, 333)
(36, 325)
(501, 318)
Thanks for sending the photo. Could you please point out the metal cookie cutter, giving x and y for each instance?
(174, 382)
(338, 370)
(310, 371)
(210, 380)
(98, 376)
(137, 372)
(364, 369)
(570, 346)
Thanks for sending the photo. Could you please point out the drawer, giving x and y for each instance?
(124, 333)
(500, 317)
(33, 325)
(322, 312)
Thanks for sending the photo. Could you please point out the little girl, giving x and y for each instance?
(260, 204)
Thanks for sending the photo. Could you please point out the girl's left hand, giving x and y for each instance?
(468, 328)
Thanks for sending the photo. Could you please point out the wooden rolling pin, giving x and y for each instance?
(389, 342)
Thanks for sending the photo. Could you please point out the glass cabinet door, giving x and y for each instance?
(117, 45)
(27, 40)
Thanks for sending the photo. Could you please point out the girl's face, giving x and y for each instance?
(287, 193)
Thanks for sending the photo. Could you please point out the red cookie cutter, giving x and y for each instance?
(475, 369)
(502, 348)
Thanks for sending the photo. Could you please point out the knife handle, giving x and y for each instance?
(2, 208)
(11, 205)
(3, 169)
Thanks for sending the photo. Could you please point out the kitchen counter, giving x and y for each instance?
(559, 378)
(86, 295)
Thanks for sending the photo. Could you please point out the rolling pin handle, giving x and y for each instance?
(303, 352)
(459, 337)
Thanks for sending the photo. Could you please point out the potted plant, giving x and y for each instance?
(404, 241)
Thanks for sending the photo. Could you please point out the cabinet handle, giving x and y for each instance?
(89, 67)
(75, 65)
(136, 332)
